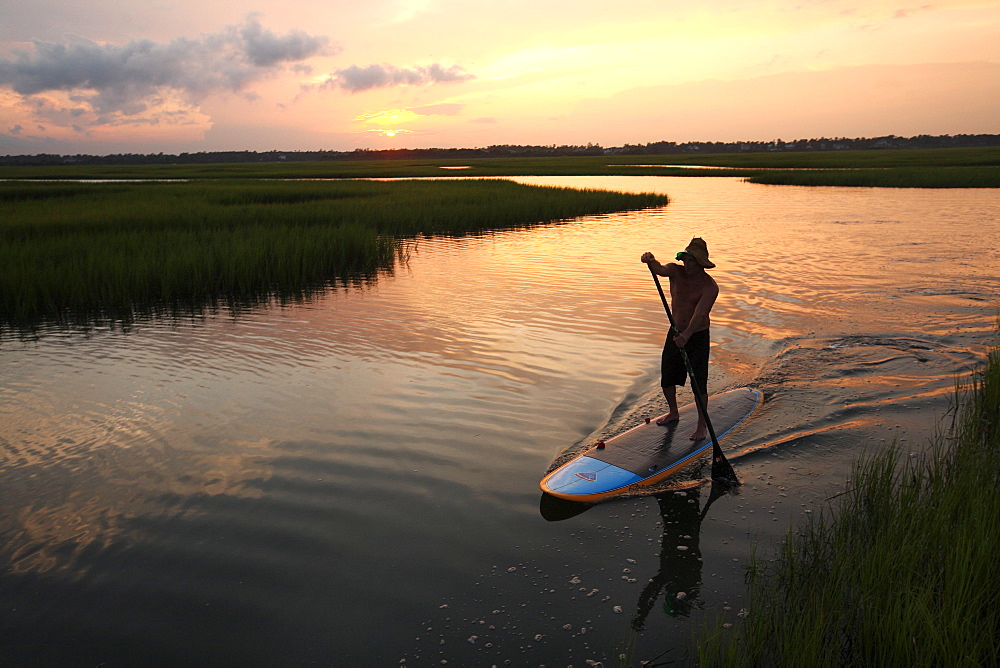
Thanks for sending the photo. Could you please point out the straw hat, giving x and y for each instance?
(698, 249)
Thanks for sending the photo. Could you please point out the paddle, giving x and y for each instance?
(722, 470)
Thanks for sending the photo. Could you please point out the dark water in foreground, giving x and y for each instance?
(353, 481)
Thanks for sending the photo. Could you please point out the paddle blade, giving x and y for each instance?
(722, 470)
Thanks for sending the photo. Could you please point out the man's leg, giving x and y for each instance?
(670, 393)
(702, 430)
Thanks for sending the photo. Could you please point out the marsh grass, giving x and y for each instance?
(624, 651)
(925, 168)
(364, 169)
(97, 251)
(887, 177)
(857, 159)
(905, 571)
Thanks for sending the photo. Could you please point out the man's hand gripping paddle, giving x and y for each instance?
(722, 470)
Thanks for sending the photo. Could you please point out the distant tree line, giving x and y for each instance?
(820, 144)
(509, 151)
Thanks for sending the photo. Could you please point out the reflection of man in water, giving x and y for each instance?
(680, 555)
(692, 295)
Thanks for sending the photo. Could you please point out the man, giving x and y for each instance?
(692, 295)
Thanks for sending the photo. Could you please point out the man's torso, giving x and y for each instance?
(685, 293)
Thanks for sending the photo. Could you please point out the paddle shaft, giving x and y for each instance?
(721, 468)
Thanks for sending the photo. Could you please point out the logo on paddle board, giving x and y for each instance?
(589, 477)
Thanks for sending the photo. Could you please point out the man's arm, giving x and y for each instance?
(657, 268)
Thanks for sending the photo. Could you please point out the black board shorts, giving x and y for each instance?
(672, 369)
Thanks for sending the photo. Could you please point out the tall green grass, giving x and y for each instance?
(362, 169)
(905, 572)
(106, 250)
(943, 167)
(855, 159)
(898, 177)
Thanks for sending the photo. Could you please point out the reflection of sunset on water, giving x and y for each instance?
(103, 509)
(114, 469)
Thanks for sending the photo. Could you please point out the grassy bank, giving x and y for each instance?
(105, 250)
(904, 571)
(964, 167)
(362, 169)
(900, 177)
(880, 159)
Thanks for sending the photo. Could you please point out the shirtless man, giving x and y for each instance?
(692, 294)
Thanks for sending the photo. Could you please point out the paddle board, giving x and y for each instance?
(648, 453)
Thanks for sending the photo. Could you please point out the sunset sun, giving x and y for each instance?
(390, 132)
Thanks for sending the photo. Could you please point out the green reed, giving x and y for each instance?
(362, 169)
(905, 571)
(899, 177)
(973, 167)
(853, 159)
(105, 250)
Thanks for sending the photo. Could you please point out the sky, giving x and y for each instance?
(172, 76)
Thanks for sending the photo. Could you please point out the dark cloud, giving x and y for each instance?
(265, 49)
(356, 79)
(129, 78)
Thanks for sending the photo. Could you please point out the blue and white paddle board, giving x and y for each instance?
(648, 453)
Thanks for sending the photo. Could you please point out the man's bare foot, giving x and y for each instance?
(699, 434)
(669, 418)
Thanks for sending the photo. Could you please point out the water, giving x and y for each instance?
(353, 481)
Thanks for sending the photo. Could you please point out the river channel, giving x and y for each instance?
(354, 480)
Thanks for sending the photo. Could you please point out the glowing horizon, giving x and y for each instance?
(444, 73)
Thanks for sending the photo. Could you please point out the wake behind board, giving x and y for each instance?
(648, 453)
